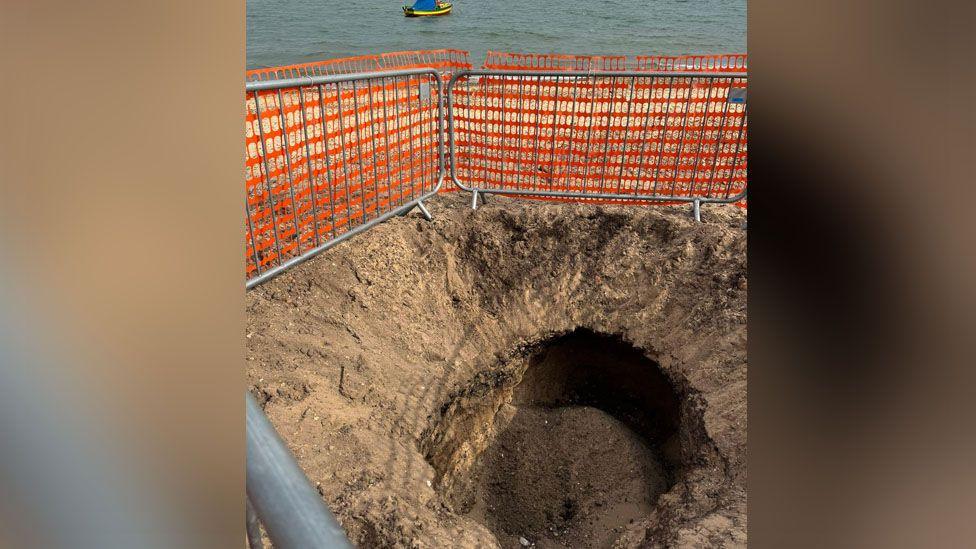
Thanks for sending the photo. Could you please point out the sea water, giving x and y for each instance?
(283, 32)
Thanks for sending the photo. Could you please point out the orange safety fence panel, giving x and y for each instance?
(445, 61)
(650, 136)
(495, 60)
(321, 160)
(733, 62)
(347, 65)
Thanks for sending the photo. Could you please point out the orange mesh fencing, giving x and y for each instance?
(495, 60)
(734, 62)
(347, 65)
(668, 137)
(320, 160)
(445, 61)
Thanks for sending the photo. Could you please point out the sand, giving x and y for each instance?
(409, 369)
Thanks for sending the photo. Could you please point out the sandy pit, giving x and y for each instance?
(530, 373)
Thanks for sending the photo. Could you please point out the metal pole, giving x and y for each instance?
(291, 510)
(291, 184)
(267, 176)
(325, 156)
(308, 158)
(252, 527)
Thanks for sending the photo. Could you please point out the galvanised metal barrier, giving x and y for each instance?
(279, 494)
(328, 157)
(608, 136)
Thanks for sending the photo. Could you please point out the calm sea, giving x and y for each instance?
(281, 32)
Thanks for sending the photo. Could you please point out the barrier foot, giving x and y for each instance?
(474, 200)
(423, 210)
(696, 208)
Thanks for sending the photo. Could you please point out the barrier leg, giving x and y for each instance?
(423, 210)
(696, 207)
(474, 200)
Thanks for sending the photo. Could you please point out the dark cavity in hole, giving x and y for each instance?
(572, 453)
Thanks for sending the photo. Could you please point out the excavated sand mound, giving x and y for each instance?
(530, 373)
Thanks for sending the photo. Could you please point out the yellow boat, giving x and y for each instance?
(424, 8)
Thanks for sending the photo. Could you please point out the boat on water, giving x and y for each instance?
(425, 8)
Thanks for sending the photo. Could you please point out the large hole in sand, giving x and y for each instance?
(565, 444)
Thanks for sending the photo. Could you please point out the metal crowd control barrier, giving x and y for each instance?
(328, 157)
(283, 500)
(609, 136)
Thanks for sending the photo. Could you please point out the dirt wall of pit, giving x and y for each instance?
(358, 354)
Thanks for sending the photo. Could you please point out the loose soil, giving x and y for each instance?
(557, 375)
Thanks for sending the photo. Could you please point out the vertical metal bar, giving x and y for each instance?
(308, 159)
(325, 156)
(250, 229)
(413, 186)
(555, 119)
(399, 135)
(701, 134)
(681, 144)
(589, 136)
(718, 140)
(644, 137)
(606, 140)
(623, 148)
(735, 155)
(664, 133)
(372, 142)
(538, 115)
(572, 134)
(267, 176)
(386, 138)
(345, 161)
(518, 133)
(501, 169)
(359, 151)
(441, 113)
(483, 86)
(420, 131)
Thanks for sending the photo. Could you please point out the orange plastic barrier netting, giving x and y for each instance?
(321, 160)
(495, 60)
(734, 62)
(652, 136)
(445, 61)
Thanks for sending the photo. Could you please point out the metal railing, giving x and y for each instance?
(279, 495)
(617, 136)
(328, 157)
